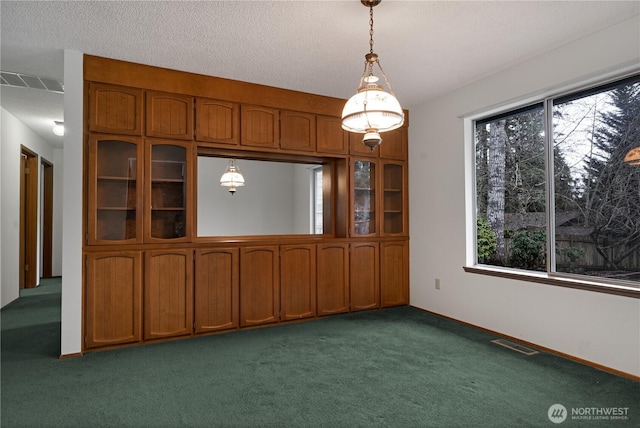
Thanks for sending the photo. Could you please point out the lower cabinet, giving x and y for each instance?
(333, 278)
(364, 277)
(259, 285)
(394, 273)
(168, 293)
(216, 289)
(113, 298)
(297, 281)
(144, 295)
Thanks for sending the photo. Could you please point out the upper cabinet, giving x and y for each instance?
(114, 190)
(331, 138)
(394, 198)
(169, 115)
(217, 121)
(259, 127)
(115, 109)
(363, 198)
(166, 191)
(394, 144)
(297, 131)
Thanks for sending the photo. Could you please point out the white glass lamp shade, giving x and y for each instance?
(232, 178)
(372, 110)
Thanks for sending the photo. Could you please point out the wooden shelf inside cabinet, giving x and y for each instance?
(167, 196)
(393, 203)
(114, 192)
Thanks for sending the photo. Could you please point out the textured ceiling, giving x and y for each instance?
(427, 48)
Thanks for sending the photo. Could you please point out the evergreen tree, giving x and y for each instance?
(613, 207)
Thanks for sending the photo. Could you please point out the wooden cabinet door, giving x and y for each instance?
(331, 138)
(168, 293)
(297, 131)
(333, 278)
(394, 144)
(259, 126)
(113, 298)
(394, 273)
(114, 190)
(364, 276)
(259, 285)
(364, 196)
(357, 147)
(297, 281)
(168, 185)
(169, 115)
(115, 109)
(216, 289)
(217, 121)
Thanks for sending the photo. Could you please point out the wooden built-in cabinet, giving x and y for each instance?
(259, 127)
(114, 190)
(331, 138)
(363, 198)
(167, 172)
(113, 298)
(169, 115)
(394, 199)
(259, 285)
(217, 121)
(216, 289)
(114, 109)
(297, 281)
(394, 273)
(333, 278)
(297, 131)
(364, 276)
(149, 277)
(168, 293)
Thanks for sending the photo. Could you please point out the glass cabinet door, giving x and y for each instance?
(114, 195)
(167, 195)
(394, 204)
(363, 198)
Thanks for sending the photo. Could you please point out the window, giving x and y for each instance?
(557, 189)
(316, 178)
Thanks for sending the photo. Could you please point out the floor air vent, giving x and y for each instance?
(515, 347)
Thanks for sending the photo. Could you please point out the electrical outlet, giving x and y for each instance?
(437, 284)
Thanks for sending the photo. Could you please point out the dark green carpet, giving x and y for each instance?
(396, 367)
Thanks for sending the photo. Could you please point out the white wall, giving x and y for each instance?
(269, 204)
(15, 134)
(71, 337)
(600, 328)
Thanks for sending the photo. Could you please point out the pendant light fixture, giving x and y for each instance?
(232, 177)
(58, 128)
(372, 110)
(633, 157)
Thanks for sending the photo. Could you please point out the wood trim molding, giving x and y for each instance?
(544, 278)
(538, 347)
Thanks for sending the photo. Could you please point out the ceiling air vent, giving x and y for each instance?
(34, 82)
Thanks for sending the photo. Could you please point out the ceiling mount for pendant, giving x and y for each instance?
(372, 110)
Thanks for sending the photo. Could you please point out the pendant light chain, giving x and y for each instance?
(371, 28)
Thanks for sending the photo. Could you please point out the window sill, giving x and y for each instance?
(545, 278)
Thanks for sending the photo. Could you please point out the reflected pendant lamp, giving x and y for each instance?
(232, 177)
(633, 157)
(372, 110)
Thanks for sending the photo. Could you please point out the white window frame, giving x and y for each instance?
(550, 277)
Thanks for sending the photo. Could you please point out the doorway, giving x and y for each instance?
(46, 225)
(28, 217)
